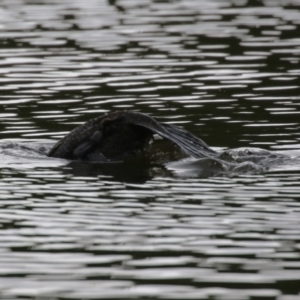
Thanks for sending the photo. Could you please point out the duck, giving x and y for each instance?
(118, 135)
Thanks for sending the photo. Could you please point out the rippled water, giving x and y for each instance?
(228, 71)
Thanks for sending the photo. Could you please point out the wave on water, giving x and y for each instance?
(158, 161)
(232, 162)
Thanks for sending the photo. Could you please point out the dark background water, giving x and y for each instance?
(228, 71)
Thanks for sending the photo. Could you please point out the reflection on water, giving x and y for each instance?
(159, 159)
(225, 70)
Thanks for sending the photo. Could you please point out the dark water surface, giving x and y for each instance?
(228, 71)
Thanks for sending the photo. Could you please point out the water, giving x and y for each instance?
(228, 71)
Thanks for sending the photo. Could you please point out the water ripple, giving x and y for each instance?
(226, 71)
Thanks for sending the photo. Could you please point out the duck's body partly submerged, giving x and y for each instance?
(117, 135)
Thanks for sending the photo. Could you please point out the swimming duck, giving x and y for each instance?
(118, 135)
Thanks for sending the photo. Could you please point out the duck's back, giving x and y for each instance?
(108, 137)
(117, 135)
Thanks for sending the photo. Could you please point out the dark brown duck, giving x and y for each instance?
(118, 135)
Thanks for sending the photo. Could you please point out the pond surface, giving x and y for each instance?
(227, 71)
